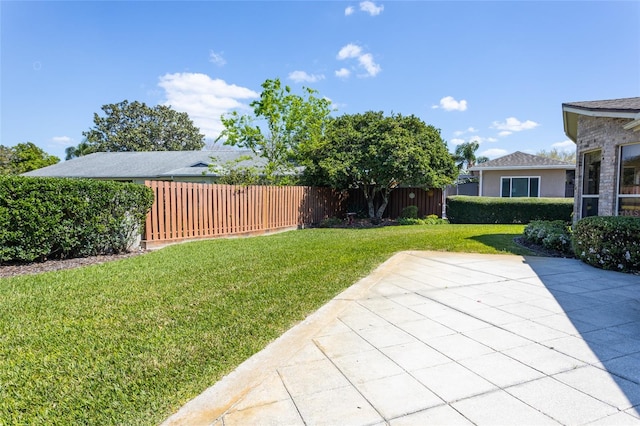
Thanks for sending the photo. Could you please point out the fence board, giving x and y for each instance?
(184, 210)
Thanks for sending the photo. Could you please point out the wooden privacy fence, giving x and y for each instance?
(184, 211)
(428, 201)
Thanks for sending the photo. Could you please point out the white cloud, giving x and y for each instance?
(448, 103)
(480, 139)
(567, 145)
(494, 153)
(462, 132)
(349, 11)
(217, 58)
(343, 73)
(371, 8)
(62, 140)
(512, 124)
(203, 98)
(301, 77)
(473, 138)
(349, 51)
(504, 133)
(369, 64)
(365, 60)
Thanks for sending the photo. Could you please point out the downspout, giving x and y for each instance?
(480, 185)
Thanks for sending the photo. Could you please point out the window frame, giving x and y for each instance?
(502, 178)
(584, 177)
(636, 182)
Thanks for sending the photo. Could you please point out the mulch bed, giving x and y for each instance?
(541, 251)
(15, 269)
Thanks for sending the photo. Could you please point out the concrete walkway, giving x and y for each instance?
(449, 338)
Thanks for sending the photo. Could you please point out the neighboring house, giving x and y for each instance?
(607, 137)
(466, 184)
(178, 166)
(525, 175)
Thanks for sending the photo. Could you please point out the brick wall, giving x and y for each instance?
(606, 134)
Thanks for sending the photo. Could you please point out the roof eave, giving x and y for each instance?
(500, 168)
(570, 118)
(633, 125)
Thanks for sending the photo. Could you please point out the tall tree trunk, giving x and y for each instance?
(385, 200)
(369, 195)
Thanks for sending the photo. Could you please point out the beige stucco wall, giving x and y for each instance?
(552, 182)
(608, 135)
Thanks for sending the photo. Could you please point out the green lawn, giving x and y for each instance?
(129, 342)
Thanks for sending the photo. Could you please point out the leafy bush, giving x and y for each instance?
(44, 218)
(470, 209)
(552, 235)
(409, 212)
(608, 242)
(429, 220)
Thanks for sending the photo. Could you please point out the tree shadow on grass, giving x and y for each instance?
(504, 243)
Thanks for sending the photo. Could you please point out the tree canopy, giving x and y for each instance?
(378, 153)
(23, 158)
(292, 124)
(556, 154)
(137, 127)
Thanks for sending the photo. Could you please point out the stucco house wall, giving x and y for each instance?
(552, 174)
(492, 181)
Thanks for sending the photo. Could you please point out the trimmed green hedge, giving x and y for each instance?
(43, 218)
(469, 209)
(608, 242)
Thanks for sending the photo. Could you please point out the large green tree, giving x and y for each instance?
(378, 153)
(292, 123)
(135, 126)
(23, 158)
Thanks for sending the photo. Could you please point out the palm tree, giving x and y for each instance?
(466, 155)
(83, 148)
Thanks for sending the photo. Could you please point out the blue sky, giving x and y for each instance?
(495, 72)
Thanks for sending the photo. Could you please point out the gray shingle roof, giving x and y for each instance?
(519, 160)
(153, 164)
(619, 105)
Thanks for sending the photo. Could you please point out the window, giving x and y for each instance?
(591, 183)
(629, 181)
(520, 186)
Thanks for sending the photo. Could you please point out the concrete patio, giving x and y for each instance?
(449, 338)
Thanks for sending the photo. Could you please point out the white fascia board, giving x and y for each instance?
(558, 167)
(600, 113)
(635, 124)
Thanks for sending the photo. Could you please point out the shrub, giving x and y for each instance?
(470, 209)
(608, 242)
(552, 235)
(429, 220)
(60, 218)
(409, 212)
(330, 222)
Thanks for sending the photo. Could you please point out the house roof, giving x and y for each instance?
(522, 161)
(144, 165)
(613, 108)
